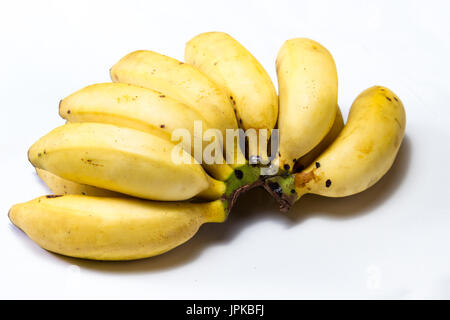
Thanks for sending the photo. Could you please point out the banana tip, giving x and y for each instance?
(10, 216)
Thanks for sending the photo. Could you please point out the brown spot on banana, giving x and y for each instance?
(302, 178)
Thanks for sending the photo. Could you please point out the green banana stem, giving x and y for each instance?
(244, 178)
(282, 188)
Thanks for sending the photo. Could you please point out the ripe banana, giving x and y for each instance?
(236, 71)
(141, 109)
(62, 186)
(102, 228)
(362, 153)
(307, 81)
(122, 160)
(308, 158)
(180, 81)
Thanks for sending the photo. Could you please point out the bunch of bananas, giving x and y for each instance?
(119, 194)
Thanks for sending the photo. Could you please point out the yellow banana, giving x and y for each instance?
(236, 71)
(141, 109)
(180, 81)
(102, 228)
(361, 154)
(123, 160)
(308, 158)
(307, 81)
(62, 186)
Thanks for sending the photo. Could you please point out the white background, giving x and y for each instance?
(391, 241)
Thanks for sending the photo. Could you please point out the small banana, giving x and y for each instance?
(62, 186)
(182, 82)
(307, 81)
(141, 109)
(361, 154)
(308, 158)
(123, 160)
(236, 71)
(102, 228)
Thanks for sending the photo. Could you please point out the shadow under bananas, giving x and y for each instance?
(257, 205)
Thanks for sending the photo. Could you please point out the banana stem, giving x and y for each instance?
(244, 178)
(283, 190)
